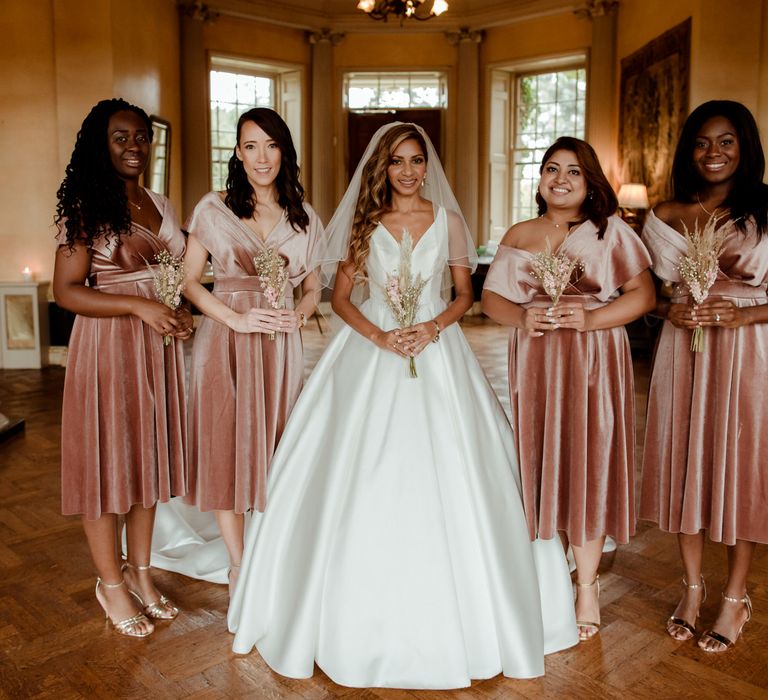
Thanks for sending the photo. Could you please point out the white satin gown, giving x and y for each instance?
(393, 551)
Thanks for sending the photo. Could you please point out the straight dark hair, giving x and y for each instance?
(240, 196)
(601, 201)
(749, 195)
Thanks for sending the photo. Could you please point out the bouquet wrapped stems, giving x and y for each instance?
(168, 275)
(698, 268)
(272, 271)
(403, 292)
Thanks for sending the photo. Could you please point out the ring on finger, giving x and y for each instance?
(717, 318)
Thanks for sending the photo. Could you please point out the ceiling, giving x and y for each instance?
(343, 15)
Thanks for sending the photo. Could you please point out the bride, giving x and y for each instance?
(393, 551)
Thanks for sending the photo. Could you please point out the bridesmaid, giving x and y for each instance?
(706, 442)
(570, 370)
(123, 420)
(247, 362)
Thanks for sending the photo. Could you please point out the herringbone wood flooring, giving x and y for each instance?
(54, 644)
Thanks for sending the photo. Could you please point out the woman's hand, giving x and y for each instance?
(720, 312)
(538, 319)
(390, 340)
(185, 329)
(681, 316)
(573, 316)
(257, 320)
(415, 338)
(156, 315)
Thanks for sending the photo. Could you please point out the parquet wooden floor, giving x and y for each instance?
(54, 644)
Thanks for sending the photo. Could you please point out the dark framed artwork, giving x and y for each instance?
(158, 171)
(654, 104)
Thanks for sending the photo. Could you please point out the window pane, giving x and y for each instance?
(365, 91)
(231, 95)
(549, 105)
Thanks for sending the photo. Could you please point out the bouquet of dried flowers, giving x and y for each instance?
(402, 291)
(168, 275)
(554, 271)
(698, 269)
(273, 275)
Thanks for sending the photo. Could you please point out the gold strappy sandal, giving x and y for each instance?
(721, 638)
(683, 623)
(162, 609)
(585, 626)
(128, 627)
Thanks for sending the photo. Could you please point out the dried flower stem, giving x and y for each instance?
(168, 276)
(273, 275)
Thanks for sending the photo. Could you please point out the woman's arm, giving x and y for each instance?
(252, 321)
(342, 305)
(70, 292)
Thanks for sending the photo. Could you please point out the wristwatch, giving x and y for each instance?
(437, 328)
(302, 320)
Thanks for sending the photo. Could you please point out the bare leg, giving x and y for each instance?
(139, 523)
(587, 558)
(691, 552)
(732, 616)
(102, 536)
(232, 527)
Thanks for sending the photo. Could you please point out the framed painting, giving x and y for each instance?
(654, 104)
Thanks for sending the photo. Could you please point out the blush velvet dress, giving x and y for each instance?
(706, 440)
(572, 393)
(123, 417)
(393, 550)
(242, 385)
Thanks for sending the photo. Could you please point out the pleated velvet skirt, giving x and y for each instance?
(705, 463)
(242, 389)
(572, 398)
(123, 417)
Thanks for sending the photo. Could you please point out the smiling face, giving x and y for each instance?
(260, 155)
(128, 142)
(407, 167)
(716, 151)
(562, 184)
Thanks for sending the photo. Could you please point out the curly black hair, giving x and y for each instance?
(290, 194)
(749, 195)
(92, 199)
(601, 200)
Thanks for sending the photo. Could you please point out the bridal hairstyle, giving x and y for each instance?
(240, 196)
(749, 195)
(92, 199)
(375, 196)
(600, 202)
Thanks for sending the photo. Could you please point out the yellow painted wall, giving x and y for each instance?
(57, 59)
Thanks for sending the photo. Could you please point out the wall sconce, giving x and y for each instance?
(633, 196)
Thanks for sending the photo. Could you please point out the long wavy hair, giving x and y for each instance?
(749, 195)
(92, 199)
(600, 202)
(241, 198)
(375, 197)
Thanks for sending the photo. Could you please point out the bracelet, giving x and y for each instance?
(302, 320)
(437, 328)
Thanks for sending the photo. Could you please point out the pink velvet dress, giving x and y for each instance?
(123, 419)
(572, 393)
(705, 463)
(242, 385)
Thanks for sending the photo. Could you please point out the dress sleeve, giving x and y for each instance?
(628, 256)
(665, 246)
(201, 224)
(509, 276)
(316, 240)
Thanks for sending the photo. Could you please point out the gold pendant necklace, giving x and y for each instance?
(141, 201)
(704, 209)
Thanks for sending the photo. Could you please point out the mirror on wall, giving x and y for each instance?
(158, 171)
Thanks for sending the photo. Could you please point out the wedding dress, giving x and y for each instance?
(393, 550)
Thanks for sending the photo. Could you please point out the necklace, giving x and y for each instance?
(704, 209)
(554, 223)
(141, 201)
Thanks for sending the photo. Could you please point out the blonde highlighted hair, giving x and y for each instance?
(375, 197)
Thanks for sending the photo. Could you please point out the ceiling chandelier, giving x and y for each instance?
(413, 9)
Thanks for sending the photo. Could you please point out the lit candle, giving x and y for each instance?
(26, 274)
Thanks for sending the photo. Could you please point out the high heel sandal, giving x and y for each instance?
(130, 626)
(585, 626)
(722, 639)
(162, 609)
(679, 621)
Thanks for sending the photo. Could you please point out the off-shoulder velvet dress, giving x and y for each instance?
(123, 418)
(242, 385)
(705, 463)
(572, 393)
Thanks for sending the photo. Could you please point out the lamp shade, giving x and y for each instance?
(633, 196)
